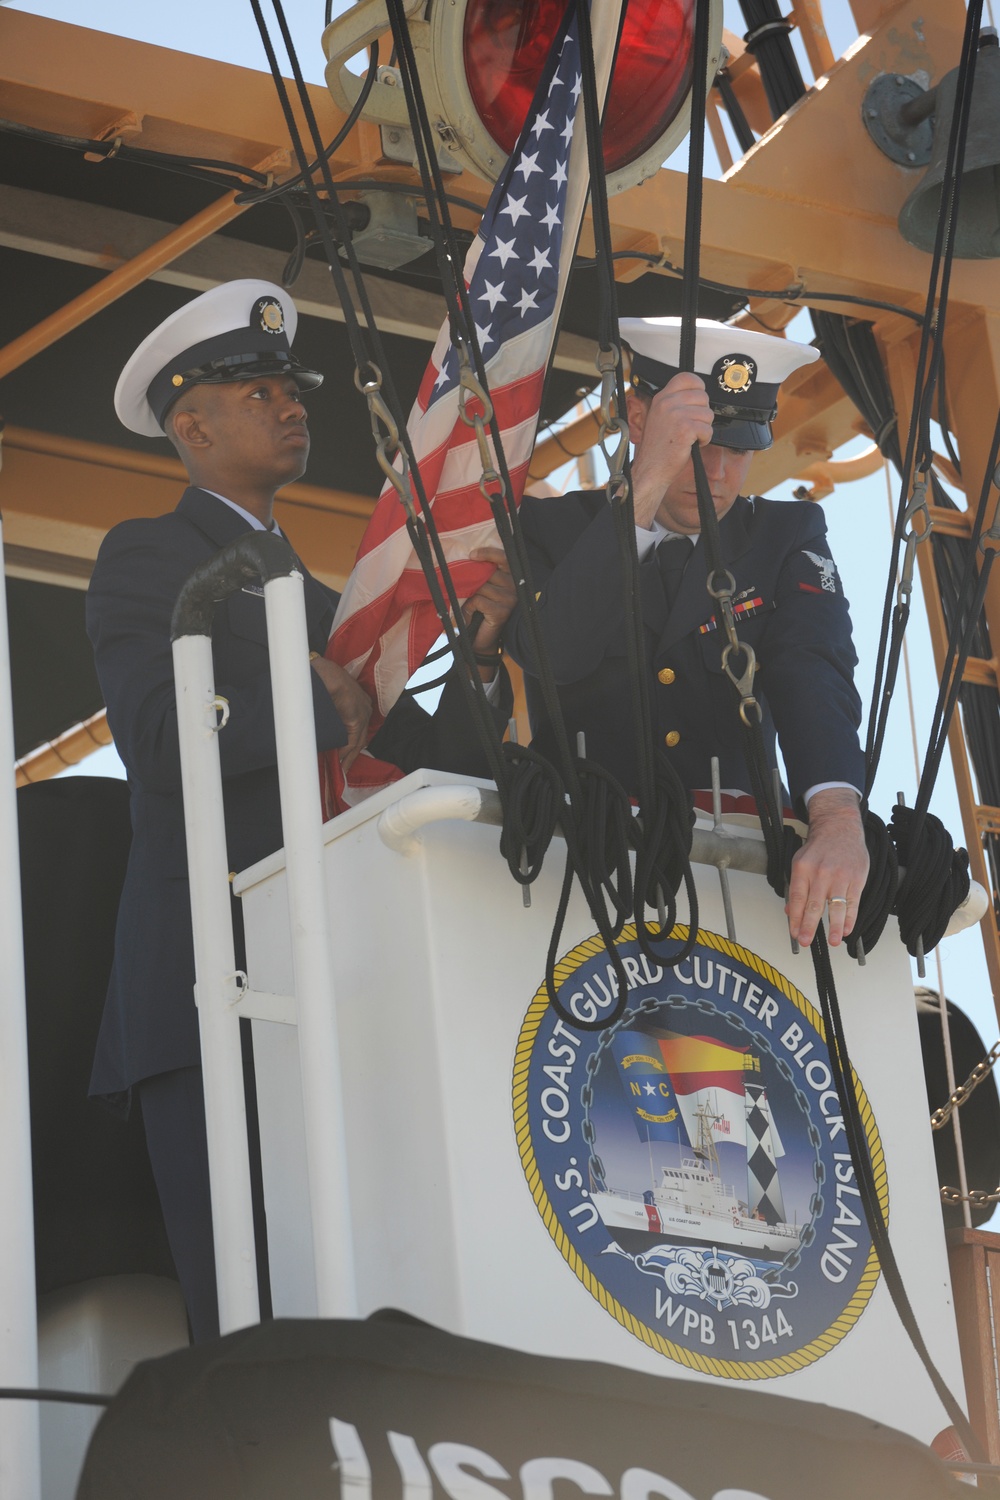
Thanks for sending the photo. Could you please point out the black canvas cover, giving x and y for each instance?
(980, 1113)
(391, 1409)
(96, 1209)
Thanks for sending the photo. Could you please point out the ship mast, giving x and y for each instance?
(705, 1147)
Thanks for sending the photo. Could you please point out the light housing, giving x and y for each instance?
(479, 61)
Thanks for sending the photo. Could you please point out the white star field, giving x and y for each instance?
(514, 284)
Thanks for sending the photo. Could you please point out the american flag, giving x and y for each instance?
(515, 271)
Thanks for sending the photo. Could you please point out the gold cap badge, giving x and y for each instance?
(272, 318)
(735, 373)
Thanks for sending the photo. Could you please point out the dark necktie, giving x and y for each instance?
(672, 557)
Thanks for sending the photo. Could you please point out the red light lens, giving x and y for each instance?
(506, 43)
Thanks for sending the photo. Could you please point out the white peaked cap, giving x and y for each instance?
(660, 339)
(240, 322)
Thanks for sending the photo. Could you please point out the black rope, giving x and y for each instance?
(206, 169)
(463, 329)
(462, 324)
(661, 833)
(918, 452)
(767, 38)
(760, 12)
(879, 895)
(936, 881)
(963, 632)
(338, 140)
(719, 580)
(845, 1083)
(741, 127)
(422, 531)
(66, 1398)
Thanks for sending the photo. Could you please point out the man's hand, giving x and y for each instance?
(675, 419)
(832, 864)
(494, 601)
(352, 704)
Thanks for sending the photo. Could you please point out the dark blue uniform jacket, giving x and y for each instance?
(791, 610)
(150, 1021)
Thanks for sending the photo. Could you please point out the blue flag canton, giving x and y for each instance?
(647, 1086)
(514, 285)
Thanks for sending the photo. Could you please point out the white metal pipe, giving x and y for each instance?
(399, 824)
(19, 1451)
(319, 1046)
(972, 910)
(217, 989)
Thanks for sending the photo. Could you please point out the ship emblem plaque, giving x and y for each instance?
(690, 1163)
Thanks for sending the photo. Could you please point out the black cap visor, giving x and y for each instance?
(749, 437)
(233, 356)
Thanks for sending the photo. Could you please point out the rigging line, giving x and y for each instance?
(949, 1066)
(949, 1059)
(415, 105)
(452, 620)
(471, 682)
(843, 1072)
(503, 506)
(950, 206)
(460, 319)
(338, 140)
(960, 639)
(882, 686)
(802, 294)
(719, 581)
(408, 189)
(653, 883)
(206, 169)
(623, 502)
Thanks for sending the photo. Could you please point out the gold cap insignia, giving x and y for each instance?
(272, 318)
(177, 380)
(736, 373)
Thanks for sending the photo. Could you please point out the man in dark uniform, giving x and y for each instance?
(220, 379)
(789, 605)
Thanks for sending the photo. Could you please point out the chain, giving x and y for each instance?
(386, 435)
(612, 424)
(479, 416)
(982, 1070)
(975, 1196)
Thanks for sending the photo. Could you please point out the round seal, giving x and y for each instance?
(691, 1164)
(270, 315)
(735, 373)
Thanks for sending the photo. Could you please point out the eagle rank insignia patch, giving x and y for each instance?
(827, 570)
(690, 1162)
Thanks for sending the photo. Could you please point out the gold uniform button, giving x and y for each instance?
(673, 738)
(666, 675)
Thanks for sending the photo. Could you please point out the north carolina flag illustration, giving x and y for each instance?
(647, 1087)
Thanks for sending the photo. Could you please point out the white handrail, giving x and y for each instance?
(217, 987)
(312, 962)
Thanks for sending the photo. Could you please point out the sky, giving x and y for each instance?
(858, 514)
